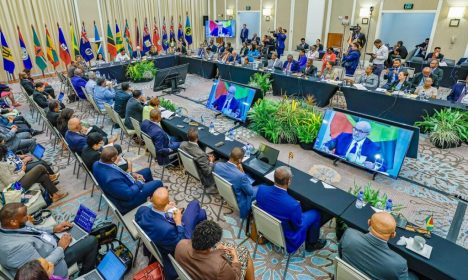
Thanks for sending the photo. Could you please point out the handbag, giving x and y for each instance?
(12, 193)
(153, 271)
(105, 232)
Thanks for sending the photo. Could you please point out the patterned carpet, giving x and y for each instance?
(444, 170)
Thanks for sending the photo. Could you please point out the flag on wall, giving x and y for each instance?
(118, 38)
(165, 43)
(8, 63)
(156, 37)
(98, 42)
(146, 38)
(74, 43)
(63, 48)
(137, 36)
(110, 42)
(188, 31)
(128, 39)
(171, 30)
(180, 31)
(85, 46)
(38, 53)
(51, 52)
(24, 52)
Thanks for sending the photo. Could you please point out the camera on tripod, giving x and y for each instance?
(354, 28)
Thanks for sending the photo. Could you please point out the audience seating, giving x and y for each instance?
(345, 271)
(111, 115)
(124, 130)
(183, 275)
(191, 170)
(149, 244)
(98, 111)
(136, 126)
(270, 228)
(152, 153)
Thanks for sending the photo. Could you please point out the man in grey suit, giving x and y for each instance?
(21, 243)
(370, 253)
(436, 71)
(134, 108)
(15, 141)
(204, 161)
(275, 62)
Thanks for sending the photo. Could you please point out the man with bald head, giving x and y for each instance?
(420, 78)
(369, 252)
(166, 225)
(234, 58)
(297, 226)
(76, 136)
(166, 146)
(356, 146)
(126, 190)
(227, 103)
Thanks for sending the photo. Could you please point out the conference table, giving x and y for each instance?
(393, 107)
(201, 67)
(452, 73)
(448, 261)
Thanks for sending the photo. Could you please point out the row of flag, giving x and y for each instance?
(84, 48)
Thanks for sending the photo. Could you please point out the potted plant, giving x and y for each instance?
(141, 71)
(447, 128)
(261, 81)
(167, 104)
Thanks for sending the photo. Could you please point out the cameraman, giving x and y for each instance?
(357, 36)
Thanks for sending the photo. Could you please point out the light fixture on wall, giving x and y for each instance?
(229, 13)
(267, 14)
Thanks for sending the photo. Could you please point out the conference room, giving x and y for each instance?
(233, 139)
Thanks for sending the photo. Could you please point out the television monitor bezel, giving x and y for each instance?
(182, 70)
(207, 26)
(257, 95)
(357, 165)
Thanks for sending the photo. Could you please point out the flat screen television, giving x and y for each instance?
(220, 28)
(161, 81)
(367, 143)
(231, 99)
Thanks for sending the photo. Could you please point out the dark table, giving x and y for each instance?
(451, 75)
(283, 84)
(200, 67)
(118, 70)
(448, 260)
(393, 107)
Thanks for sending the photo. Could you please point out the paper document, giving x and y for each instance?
(166, 114)
(359, 86)
(380, 89)
(327, 186)
(271, 176)
(314, 180)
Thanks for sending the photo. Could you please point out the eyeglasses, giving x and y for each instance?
(360, 131)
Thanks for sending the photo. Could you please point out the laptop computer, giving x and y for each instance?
(110, 268)
(38, 151)
(265, 160)
(82, 224)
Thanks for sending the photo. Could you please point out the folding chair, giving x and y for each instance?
(137, 128)
(152, 153)
(345, 271)
(183, 275)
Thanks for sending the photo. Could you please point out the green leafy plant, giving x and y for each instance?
(141, 70)
(261, 81)
(446, 128)
(167, 104)
(373, 197)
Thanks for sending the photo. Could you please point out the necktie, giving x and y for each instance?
(462, 94)
(353, 150)
(227, 103)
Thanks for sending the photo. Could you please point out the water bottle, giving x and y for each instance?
(389, 205)
(359, 200)
(247, 151)
(98, 74)
(231, 134)
(212, 128)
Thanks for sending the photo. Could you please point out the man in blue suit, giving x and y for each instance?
(78, 83)
(297, 226)
(165, 144)
(280, 38)
(166, 225)
(244, 34)
(356, 147)
(291, 65)
(126, 190)
(233, 172)
(227, 103)
(459, 90)
(76, 135)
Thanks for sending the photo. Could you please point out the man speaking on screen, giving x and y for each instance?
(227, 103)
(356, 147)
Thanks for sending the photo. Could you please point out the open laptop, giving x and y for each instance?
(38, 151)
(110, 268)
(82, 225)
(265, 160)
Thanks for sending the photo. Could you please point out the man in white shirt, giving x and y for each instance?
(379, 56)
(122, 56)
(313, 53)
(91, 83)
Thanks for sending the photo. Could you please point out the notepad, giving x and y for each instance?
(166, 114)
(328, 186)
(359, 86)
(271, 176)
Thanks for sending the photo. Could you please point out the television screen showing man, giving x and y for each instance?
(227, 103)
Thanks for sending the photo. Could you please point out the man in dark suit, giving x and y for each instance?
(137, 54)
(370, 254)
(297, 226)
(436, 71)
(166, 225)
(420, 78)
(234, 58)
(134, 108)
(355, 147)
(76, 135)
(436, 54)
(233, 172)
(244, 34)
(391, 74)
(291, 65)
(255, 39)
(40, 96)
(165, 145)
(459, 91)
(227, 103)
(126, 190)
(78, 83)
(310, 69)
(92, 152)
(204, 161)
(121, 98)
(303, 45)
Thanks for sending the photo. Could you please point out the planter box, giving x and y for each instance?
(307, 146)
(447, 146)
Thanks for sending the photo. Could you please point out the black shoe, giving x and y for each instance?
(316, 246)
(116, 126)
(36, 132)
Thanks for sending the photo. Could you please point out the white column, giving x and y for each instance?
(327, 27)
(291, 25)
(315, 14)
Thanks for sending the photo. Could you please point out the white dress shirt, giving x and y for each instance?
(355, 157)
(121, 57)
(313, 55)
(381, 54)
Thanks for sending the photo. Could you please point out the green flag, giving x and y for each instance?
(39, 54)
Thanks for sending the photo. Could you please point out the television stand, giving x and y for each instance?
(172, 79)
(374, 174)
(335, 161)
